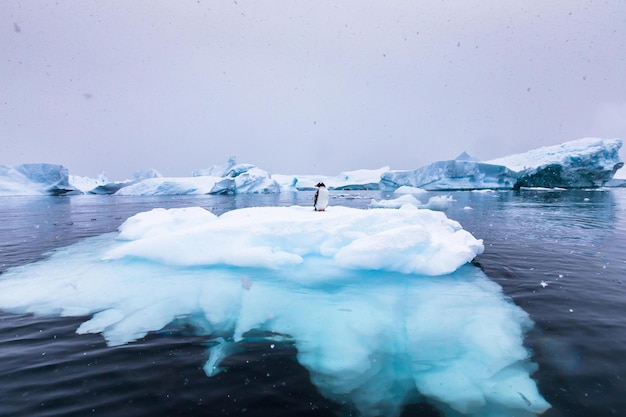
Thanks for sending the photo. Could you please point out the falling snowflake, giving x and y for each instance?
(246, 283)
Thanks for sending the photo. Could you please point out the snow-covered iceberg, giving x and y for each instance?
(102, 185)
(246, 178)
(382, 305)
(453, 175)
(35, 179)
(588, 162)
(240, 178)
(169, 186)
(360, 179)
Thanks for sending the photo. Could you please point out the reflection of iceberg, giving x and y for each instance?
(381, 304)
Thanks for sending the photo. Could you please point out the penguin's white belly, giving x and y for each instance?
(321, 198)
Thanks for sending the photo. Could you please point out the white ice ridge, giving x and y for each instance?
(380, 303)
(588, 162)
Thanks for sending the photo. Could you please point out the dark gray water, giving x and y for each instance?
(573, 241)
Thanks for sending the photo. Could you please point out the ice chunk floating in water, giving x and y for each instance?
(35, 179)
(382, 305)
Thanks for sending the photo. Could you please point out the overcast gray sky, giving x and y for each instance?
(303, 86)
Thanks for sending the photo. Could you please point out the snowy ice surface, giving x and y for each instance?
(382, 305)
(35, 179)
(602, 153)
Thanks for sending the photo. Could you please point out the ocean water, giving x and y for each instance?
(559, 255)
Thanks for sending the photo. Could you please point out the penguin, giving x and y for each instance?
(321, 197)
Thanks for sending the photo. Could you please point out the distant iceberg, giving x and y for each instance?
(588, 162)
(453, 175)
(360, 179)
(229, 178)
(582, 163)
(382, 305)
(35, 179)
(112, 187)
(86, 184)
(246, 179)
(233, 178)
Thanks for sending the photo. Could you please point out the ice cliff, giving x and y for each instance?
(589, 162)
(453, 175)
(35, 179)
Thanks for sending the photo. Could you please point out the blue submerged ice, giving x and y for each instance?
(35, 179)
(383, 306)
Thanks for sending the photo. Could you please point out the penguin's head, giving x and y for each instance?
(320, 184)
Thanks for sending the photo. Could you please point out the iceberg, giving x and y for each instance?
(588, 162)
(246, 178)
(35, 179)
(382, 305)
(102, 185)
(360, 179)
(86, 184)
(241, 178)
(169, 186)
(453, 175)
